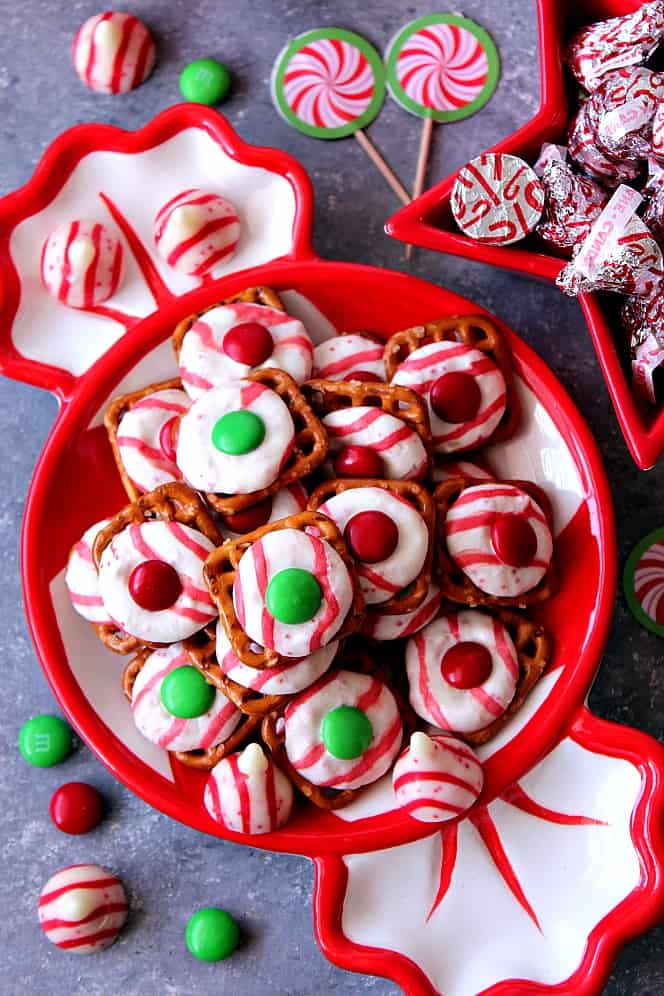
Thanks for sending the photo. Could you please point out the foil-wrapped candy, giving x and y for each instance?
(653, 195)
(496, 199)
(618, 254)
(600, 48)
(643, 318)
(571, 204)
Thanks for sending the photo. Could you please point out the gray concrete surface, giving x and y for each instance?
(169, 869)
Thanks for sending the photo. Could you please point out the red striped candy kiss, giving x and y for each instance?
(248, 794)
(82, 264)
(113, 52)
(437, 778)
(82, 908)
(196, 231)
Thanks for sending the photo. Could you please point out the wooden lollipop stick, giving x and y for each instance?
(382, 167)
(422, 162)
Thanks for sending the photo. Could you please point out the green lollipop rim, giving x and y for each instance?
(485, 40)
(318, 34)
(631, 564)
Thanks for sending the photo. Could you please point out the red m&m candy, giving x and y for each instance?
(76, 808)
(154, 585)
(250, 518)
(357, 461)
(514, 540)
(365, 376)
(167, 438)
(371, 536)
(466, 665)
(455, 397)
(249, 343)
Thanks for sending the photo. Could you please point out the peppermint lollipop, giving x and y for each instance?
(330, 83)
(442, 67)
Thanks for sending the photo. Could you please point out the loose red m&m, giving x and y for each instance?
(466, 665)
(167, 438)
(248, 342)
(455, 397)
(76, 808)
(154, 585)
(371, 536)
(250, 518)
(514, 540)
(357, 461)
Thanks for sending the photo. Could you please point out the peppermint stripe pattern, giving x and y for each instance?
(82, 581)
(649, 582)
(82, 264)
(442, 67)
(113, 52)
(82, 908)
(385, 627)
(256, 801)
(145, 438)
(196, 231)
(400, 448)
(344, 356)
(283, 679)
(328, 83)
(437, 778)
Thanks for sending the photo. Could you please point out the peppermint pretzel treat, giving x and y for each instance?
(380, 626)
(113, 52)
(256, 435)
(437, 778)
(230, 341)
(260, 294)
(150, 564)
(350, 356)
(141, 428)
(374, 430)
(82, 263)
(285, 590)
(248, 793)
(82, 908)
(289, 501)
(387, 526)
(196, 230)
(151, 704)
(340, 734)
(495, 545)
(462, 671)
(463, 367)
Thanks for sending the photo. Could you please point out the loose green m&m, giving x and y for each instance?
(346, 732)
(44, 741)
(293, 596)
(205, 81)
(212, 934)
(238, 432)
(185, 693)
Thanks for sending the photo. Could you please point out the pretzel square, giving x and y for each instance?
(421, 501)
(250, 295)
(477, 331)
(202, 759)
(327, 396)
(221, 565)
(174, 502)
(309, 446)
(457, 586)
(273, 733)
(114, 414)
(533, 648)
(202, 651)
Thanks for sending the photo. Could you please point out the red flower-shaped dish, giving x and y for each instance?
(561, 859)
(428, 222)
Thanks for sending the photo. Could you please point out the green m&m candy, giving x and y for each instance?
(44, 741)
(346, 732)
(238, 432)
(205, 81)
(293, 596)
(212, 934)
(185, 693)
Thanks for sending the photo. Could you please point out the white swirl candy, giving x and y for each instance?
(207, 468)
(82, 908)
(398, 445)
(282, 679)
(145, 438)
(423, 368)
(304, 717)
(172, 732)
(328, 83)
(442, 67)
(343, 357)
(456, 709)
(437, 778)
(247, 792)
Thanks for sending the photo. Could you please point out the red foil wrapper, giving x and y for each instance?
(571, 205)
(497, 199)
(621, 41)
(619, 253)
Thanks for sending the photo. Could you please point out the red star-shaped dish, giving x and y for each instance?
(428, 221)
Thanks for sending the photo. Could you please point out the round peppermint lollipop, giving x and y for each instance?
(643, 581)
(442, 67)
(330, 83)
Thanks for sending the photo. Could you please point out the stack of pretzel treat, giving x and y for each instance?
(317, 574)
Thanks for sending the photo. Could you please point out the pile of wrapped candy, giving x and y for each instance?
(600, 199)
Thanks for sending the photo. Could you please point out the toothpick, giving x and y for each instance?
(422, 162)
(382, 167)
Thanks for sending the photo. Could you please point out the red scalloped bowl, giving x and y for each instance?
(428, 222)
